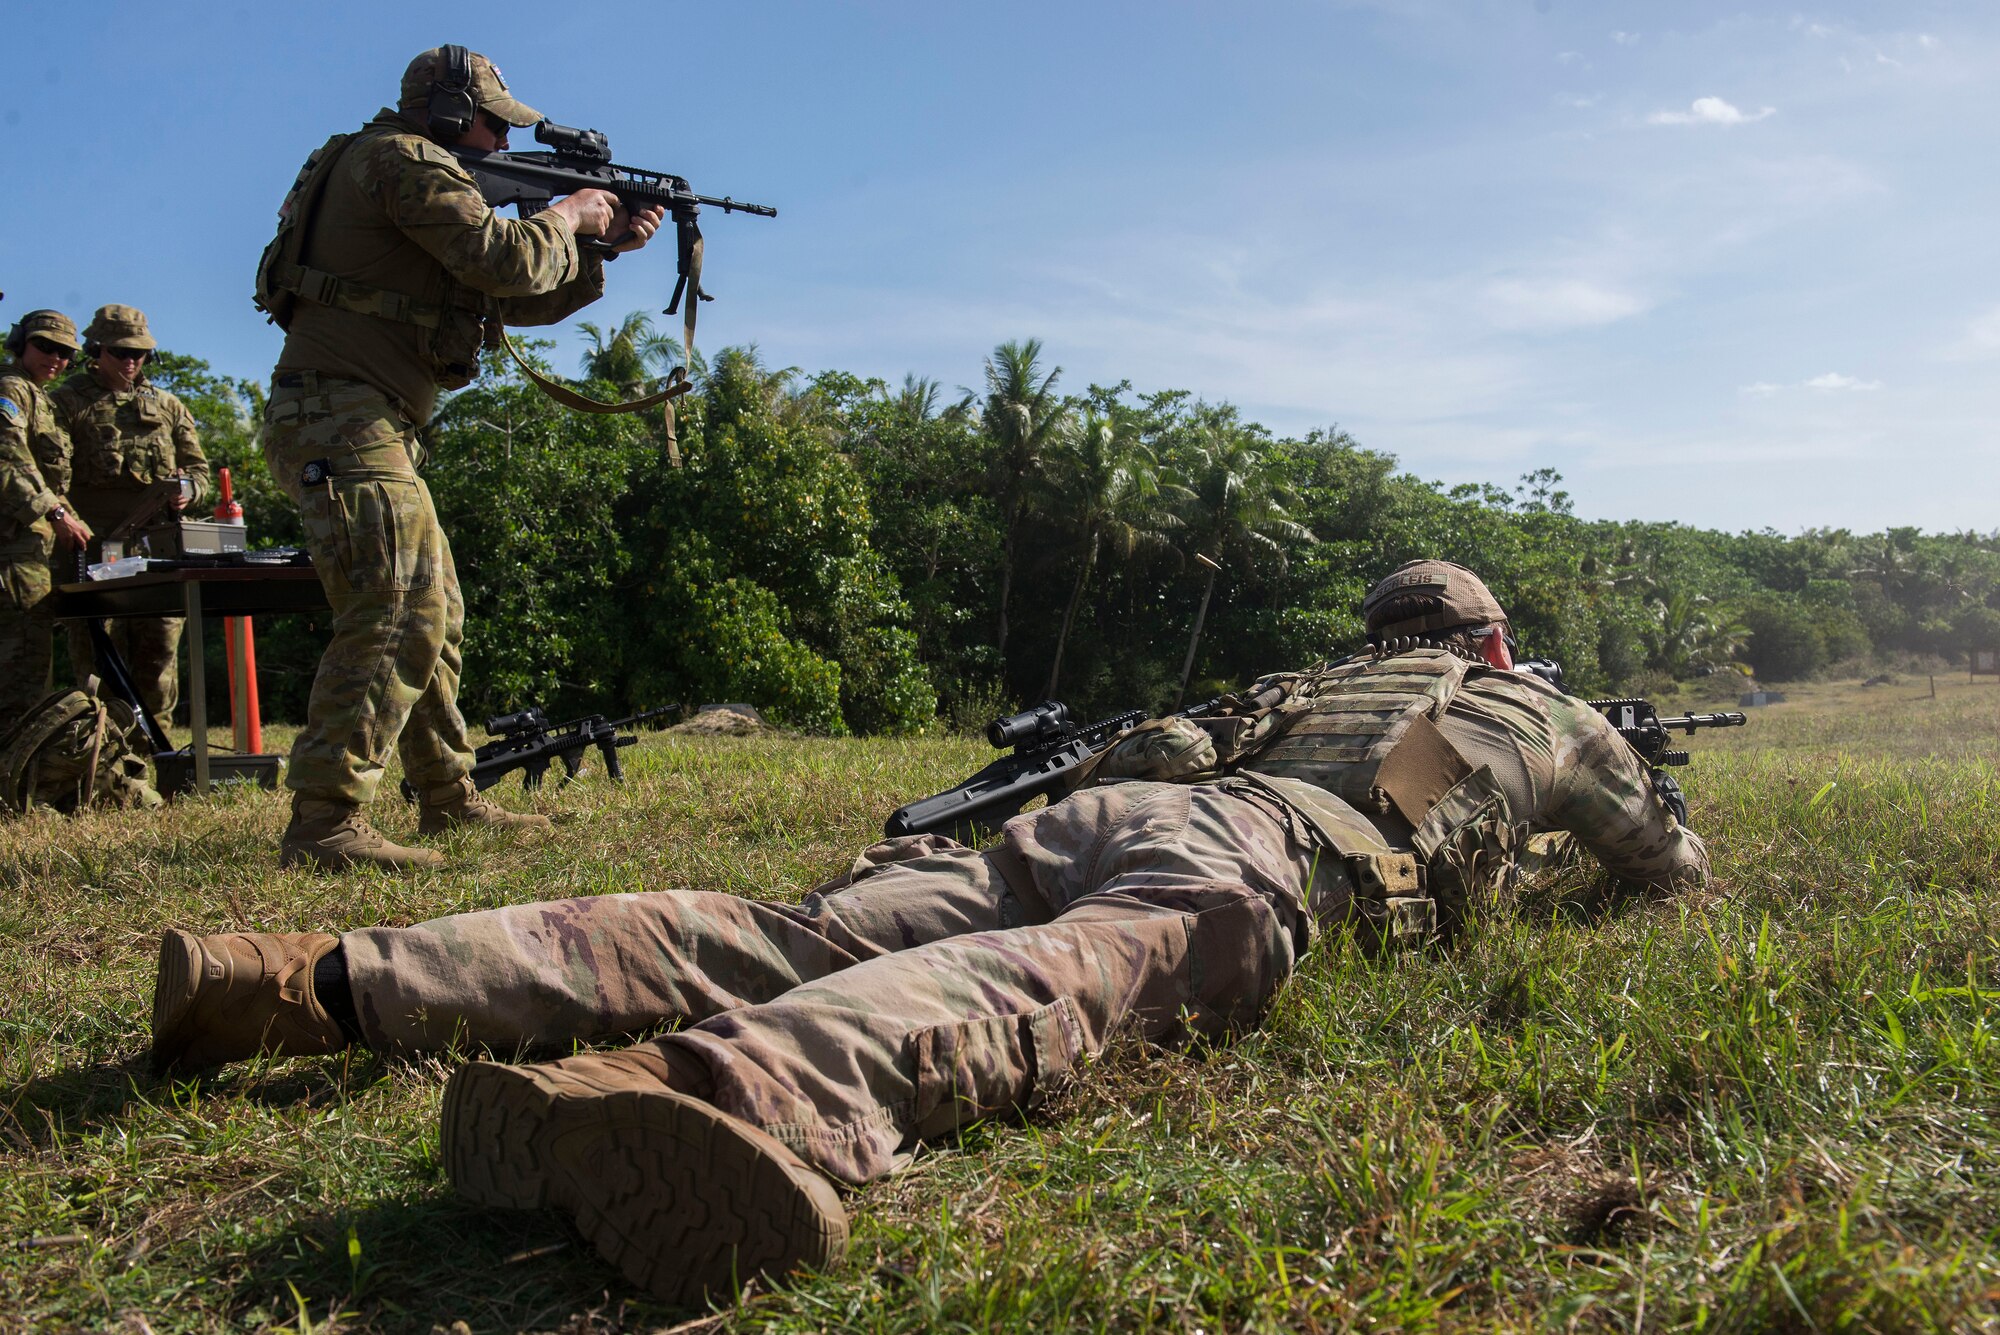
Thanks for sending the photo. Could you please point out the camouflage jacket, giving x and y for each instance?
(1503, 748)
(1559, 763)
(401, 215)
(122, 441)
(34, 467)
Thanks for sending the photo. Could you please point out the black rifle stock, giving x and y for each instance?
(1047, 746)
(581, 160)
(528, 742)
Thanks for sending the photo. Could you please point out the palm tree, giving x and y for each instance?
(1690, 632)
(1023, 415)
(633, 357)
(1236, 505)
(1104, 487)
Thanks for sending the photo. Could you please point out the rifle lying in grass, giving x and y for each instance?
(528, 742)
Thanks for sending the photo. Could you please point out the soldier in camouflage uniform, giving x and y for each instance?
(397, 274)
(35, 513)
(126, 434)
(932, 984)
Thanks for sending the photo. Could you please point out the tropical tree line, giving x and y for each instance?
(851, 555)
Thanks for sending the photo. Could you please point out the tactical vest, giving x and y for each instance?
(119, 442)
(1355, 752)
(74, 750)
(456, 326)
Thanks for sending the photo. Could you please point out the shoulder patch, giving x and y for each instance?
(11, 409)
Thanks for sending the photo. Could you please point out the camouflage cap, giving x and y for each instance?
(120, 327)
(488, 88)
(1448, 595)
(51, 325)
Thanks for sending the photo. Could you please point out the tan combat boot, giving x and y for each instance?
(686, 1200)
(447, 806)
(223, 998)
(333, 836)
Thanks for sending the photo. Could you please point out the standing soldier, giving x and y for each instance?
(389, 273)
(126, 434)
(35, 514)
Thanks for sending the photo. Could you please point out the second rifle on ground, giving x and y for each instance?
(528, 742)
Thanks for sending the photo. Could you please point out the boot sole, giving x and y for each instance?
(173, 993)
(685, 1200)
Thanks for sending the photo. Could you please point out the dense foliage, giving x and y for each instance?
(848, 555)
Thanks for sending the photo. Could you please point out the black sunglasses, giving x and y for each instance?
(126, 354)
(48, 349)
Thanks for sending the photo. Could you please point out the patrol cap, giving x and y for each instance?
(120, 327)
(51, 325)
(1448, 594)
(488, 88)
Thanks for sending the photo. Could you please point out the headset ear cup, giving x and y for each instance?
(451, 109)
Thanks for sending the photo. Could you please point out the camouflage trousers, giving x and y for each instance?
(27, 639)
(389, 677)
(931, 986)
(150, 647)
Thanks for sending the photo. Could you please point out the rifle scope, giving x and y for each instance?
(590, 145)
(525, 721)
(1045, 719)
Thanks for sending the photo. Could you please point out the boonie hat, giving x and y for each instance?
(1451, 595)
(120, 327)
(488, 88)
(51, 325)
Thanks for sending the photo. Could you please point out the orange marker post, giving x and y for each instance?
(241, 646)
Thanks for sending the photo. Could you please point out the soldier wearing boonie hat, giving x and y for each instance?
(126, 434)
(34, 505)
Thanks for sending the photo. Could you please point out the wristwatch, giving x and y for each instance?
(59, 512)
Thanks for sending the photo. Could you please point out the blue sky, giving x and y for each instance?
(1728, 265)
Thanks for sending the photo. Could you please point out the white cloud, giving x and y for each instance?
(1569, 58)
(1709, 111)
(1625, 38)
(1892, 63)
(1560, 303)
(1830, 382)
(1833, 380)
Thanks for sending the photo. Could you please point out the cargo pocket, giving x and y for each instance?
(1239, 954)
(385, 533)
(991, 1067)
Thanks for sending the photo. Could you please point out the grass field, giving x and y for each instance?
(1773, 1106)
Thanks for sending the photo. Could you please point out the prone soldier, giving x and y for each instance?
(933, 985)
(35, 514)
(127, 433)
(390, 273)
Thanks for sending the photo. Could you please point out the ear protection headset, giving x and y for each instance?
(17, 339)
(451, 107)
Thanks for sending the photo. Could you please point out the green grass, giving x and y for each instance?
(1773, 1106)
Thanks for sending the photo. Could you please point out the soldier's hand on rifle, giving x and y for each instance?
(636, 229)
(588, 212)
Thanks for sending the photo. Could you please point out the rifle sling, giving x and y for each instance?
(677, 385)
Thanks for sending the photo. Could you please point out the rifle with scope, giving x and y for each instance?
(1047, 746)
(581, 160)
(528, 742)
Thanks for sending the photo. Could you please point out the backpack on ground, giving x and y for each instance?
(74, 750)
